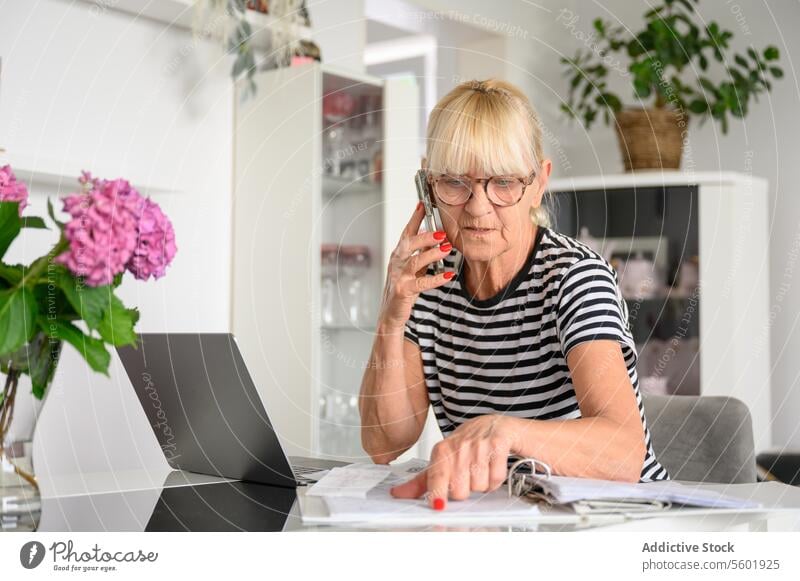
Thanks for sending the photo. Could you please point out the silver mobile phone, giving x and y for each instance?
(433, 221)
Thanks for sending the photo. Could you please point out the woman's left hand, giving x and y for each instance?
(473, 458)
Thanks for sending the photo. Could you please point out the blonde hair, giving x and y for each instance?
(488, 126)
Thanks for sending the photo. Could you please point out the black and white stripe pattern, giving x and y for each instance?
(507, 354)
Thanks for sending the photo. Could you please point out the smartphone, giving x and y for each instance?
(433, 221)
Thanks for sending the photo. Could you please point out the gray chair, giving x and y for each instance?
(702, 439)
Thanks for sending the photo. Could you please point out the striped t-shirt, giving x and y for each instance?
(507, 354)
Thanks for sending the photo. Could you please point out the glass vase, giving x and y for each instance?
(25, 374)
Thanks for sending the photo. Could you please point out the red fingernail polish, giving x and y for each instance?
(446, 247)
(448, 276)
(419, 205)
(439, 235)
(438, 504)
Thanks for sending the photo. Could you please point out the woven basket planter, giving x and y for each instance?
(650, 138)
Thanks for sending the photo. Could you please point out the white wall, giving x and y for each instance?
(88, 87)
(340, 31)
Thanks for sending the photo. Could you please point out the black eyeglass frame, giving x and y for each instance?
(526, 181)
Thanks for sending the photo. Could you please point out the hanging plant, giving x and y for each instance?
(287, 18)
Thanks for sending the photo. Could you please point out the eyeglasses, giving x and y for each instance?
(455, 190)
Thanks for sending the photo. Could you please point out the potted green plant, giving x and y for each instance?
(668, 65)
(68, 295)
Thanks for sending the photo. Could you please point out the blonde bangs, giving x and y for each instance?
(487, 127)
(485, 133)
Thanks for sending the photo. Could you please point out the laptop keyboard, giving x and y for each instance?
(300, 474)
(304, 470)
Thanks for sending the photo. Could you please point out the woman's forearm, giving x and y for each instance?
(593, 447)
(389, 422)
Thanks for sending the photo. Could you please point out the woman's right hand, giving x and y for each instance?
(406, 277)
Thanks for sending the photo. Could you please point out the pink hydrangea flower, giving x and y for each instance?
(11, 189)
(114, 228)
(103, 230)
(155, 247)
(87, 181)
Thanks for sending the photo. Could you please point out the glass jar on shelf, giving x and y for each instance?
(329, 284)
(339, 417)
(332, 140)
(371, 136)
(355, 260)
(337, 107)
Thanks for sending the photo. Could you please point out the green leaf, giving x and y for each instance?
(52, 214)
(42, 358)
(239, 66)
(777, 72)
(17, 318)
(10, 225)
(707, 85)
(92, 349)
(771, 53)
(589, 116)
(118, 323)
(599, 26)
(89, 302)
(650, 13)
(635, 48)
(609, 100)
(741, 61)
(34, 222)
(698, 106)
(642, 88)
(11, 273)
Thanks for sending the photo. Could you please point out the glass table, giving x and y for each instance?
(191, 502)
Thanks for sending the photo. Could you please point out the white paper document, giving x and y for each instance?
(563, 489)
(378, 505)
(354, 480)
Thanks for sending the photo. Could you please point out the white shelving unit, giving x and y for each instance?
(722, 219)
(285, 208)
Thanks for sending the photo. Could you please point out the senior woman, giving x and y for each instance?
(522, 345)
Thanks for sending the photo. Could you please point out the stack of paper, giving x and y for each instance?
(359, 493)
(346, 502)
(563, 489)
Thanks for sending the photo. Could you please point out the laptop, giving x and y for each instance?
(205, 411)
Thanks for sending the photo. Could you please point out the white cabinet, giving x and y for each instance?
(324, 158)
(701, 334)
